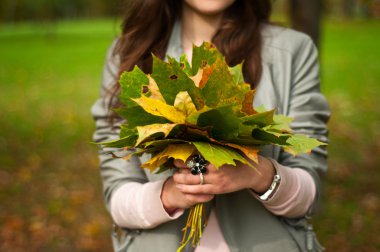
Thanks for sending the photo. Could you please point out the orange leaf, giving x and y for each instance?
(247, 106)
(250, 151)
(207, 71)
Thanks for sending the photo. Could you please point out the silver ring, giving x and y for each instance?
(202, 179)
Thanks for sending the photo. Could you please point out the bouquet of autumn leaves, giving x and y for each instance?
(207, 108)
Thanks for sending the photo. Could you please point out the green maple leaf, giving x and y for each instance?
(220, 155)
(259, 119)
(237, 73)
(128, 138)
(171, 79)
(301, 144)
(132, 85)
(185, 65)
(224, 124)
(204, 55)
(220, 87)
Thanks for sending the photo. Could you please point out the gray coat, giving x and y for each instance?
(290, 83)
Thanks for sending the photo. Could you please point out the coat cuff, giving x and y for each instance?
(294, 195)
(136, 205)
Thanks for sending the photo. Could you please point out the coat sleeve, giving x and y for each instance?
(114, 172)
(310, 111)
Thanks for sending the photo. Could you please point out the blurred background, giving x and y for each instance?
(51, 57)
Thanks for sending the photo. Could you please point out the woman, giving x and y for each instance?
(247, 211)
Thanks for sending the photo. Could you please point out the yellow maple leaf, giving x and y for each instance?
(184, 103)
(148, 130)
(160, 108)
(176, 151)
(154, 90)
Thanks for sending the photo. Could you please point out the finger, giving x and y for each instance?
(183, 171)
(211, 168)
(185, 177)
(179, 163)
(200, 198)
(199, 189)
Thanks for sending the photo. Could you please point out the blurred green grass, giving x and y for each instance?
(350, 78)
(49, 77)
(50, 186)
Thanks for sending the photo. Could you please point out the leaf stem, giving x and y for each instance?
(193, 228)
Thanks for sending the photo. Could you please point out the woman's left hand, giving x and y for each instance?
(226, 179)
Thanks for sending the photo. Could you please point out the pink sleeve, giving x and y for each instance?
(294, 195)
(212, 238)
(136, 205)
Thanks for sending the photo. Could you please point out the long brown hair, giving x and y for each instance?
(148, 24)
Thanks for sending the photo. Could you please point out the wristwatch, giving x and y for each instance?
(273, 187)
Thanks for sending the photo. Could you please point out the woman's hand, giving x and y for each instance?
(184, 190)
(224, 180)
(172, 198)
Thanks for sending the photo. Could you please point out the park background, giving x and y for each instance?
(51, 57)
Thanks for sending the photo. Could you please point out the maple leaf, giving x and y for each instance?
(132, 84)
(250, 151)
(184, 103)
(207, 104)
(154, 92)
(137, 116)
(247, 105)
(204, 55)
(220, 155)
(301, 144)
(175, 151)
(159, 108)
(171, 80)
(237, 73)
(148, 130)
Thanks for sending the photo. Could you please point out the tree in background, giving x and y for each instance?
(305, 16)
(49, 10)
(348, 7)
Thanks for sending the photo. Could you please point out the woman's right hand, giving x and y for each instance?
(172, 198)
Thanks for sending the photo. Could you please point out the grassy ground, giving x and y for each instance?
(49, 178)
(351, 75)
(50, 188)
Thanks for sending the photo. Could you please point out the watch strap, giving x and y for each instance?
(273, 187)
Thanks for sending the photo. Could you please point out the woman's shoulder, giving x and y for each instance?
(284, 39)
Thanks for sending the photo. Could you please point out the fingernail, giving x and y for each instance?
(179, 186)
